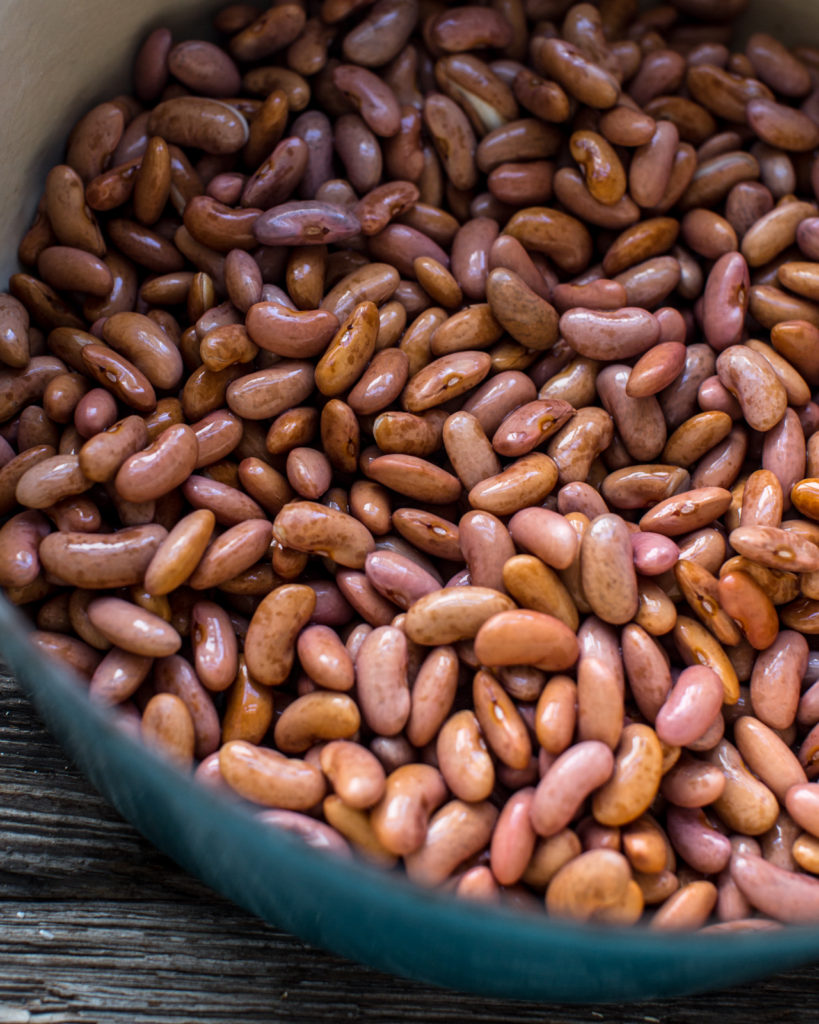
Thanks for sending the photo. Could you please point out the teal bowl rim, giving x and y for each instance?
(361, 912)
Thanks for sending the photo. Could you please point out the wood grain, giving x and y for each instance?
(97, 926)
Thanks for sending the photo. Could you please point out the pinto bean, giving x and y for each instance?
(270, 640)
(609, 335)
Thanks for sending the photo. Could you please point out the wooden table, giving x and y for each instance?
(97, 926)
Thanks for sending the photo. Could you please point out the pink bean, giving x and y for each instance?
(96, 411)
(776, 679)
(315, 833)
(725, 302)
(802, 802)
(567, 783)
(784, 895)
(546, 534)
(398, 578)
(381, 670)
(699, 844)
(691, 707)
(653, 553)
(513, 840)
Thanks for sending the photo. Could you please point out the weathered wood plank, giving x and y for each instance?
(96, 926)
(161, 963)
(55, 827)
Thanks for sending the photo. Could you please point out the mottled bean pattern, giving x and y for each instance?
(407, 424)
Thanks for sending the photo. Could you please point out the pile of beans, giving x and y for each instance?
(406, 420)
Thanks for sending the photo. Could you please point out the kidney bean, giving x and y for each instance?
(206, 124)
(609, 335)
(306, 222)
(96, 411)
(355, 826)
(525, 638)
(314, 833)
(691, 707)
(574, 380)
(14, 327)
(457, 831)
(635, 780)
(639, 421)
(72, 269)
(524, 482)
(268, 778)
(101, 561)
(538, 587)
(51, 480)
(746, 804)
(118, 676)
(215, 651)
(77, 655)
(398, 578)
(400, 819)
(381, 35)
(314, 717)
(781, 126)
(371, 96)
(775, 231)
(150, 64)
(579, 497)
(599, 700)
(265, 393)
(559, 236)
(698, 646)
(656, 369)
(686, 511)
(20, 538)
(159, 468)
(174, 675)
(748, 604)
(269, 645)
(509, 337)
(692, 783)
(133, 629)
(120, 376)
(574, 448)
(324, 658)
(472, 777)
(249, 709)
(609, 581)
(355, 773)
(307, 526)
(651, 165)
(231, 553)
(525, 315)
(566, 784)
(167, 728)
(784, 895)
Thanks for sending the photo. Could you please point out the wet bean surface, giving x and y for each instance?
(407, 426)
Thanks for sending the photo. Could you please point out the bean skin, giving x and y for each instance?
(439, 381)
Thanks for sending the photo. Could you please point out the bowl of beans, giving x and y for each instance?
(409, 468)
